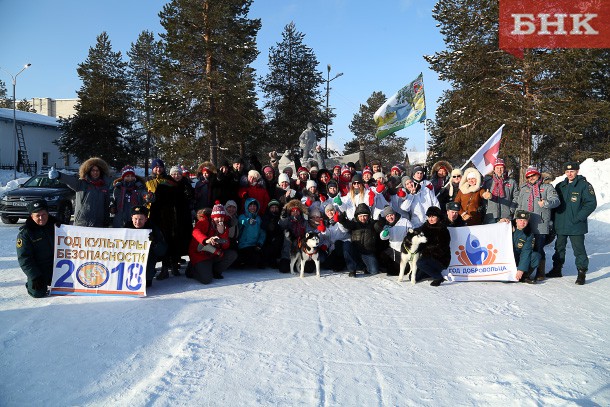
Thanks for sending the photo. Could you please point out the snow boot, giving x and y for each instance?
(580, 280)
(176, 270)
(555, 271)
(163, 274)
(540, 270)
(352, 274)
(284, 265)
(526, 278)
(436, 282)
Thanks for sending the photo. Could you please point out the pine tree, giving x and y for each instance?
(101, 124)
(389, 150)
(292, 90)
(546, 108)
(145, 61)
(4, 100)
(208, 100)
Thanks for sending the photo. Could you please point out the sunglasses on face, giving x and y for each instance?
(456, 176)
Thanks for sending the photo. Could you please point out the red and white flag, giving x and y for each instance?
(485, 157)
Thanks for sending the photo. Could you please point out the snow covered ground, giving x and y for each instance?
(262, 338)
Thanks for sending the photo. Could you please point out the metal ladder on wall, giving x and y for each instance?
(23, 152)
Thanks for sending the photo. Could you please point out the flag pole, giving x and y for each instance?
(483, 145)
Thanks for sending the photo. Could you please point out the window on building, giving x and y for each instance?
(45, 158)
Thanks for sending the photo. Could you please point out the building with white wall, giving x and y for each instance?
(54, 107)
(39, 133)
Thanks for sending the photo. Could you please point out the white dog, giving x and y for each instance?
(308, 250)
(409, 253)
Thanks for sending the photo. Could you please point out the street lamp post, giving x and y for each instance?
(328, 81)
(14, 78)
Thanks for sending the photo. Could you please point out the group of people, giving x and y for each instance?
(254, 215)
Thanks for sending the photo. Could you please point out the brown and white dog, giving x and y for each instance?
(409, 253)
(307, 250)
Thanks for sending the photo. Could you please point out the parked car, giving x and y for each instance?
(60, 198)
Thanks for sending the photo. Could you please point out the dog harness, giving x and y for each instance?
(411, 254)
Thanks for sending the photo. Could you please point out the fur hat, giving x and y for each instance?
(434, 211)
(139, 210)
(453, 206)
(522, 214)
(38, 205)
(175, 169)
(127, 170)
(218, 211)
(254, 174)
(456, 172)
(283, 178)
(387, 211)
(531, 170)
(310, 183)
(157, 162)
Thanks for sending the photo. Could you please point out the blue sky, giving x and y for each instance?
(378, 46)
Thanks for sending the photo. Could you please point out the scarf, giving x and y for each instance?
(534, 195)
(497, 188)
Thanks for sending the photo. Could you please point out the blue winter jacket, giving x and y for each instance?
(251, 232)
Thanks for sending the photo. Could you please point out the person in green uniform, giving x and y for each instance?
(524, 241)
(577, 202)
(35, 248)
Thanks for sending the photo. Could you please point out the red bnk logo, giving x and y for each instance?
(554, 24)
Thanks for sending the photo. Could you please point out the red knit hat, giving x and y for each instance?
(302, 169)
(346, 171)
(127, 170)
(367, 170)
(499, 162)
(218, 211)
(531, 170)
(337, 167)
(396, 168)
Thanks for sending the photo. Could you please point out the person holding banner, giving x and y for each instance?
(577, 202)
(526, 258)
(139, 220)
(470, 197)
(436, 252)
(35, 248)
(92, 187)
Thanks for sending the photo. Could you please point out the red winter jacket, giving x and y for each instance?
(202, 231)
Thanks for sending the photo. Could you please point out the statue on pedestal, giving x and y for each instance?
(307, 141)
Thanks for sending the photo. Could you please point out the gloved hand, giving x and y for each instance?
(324, 248)
(337, 200)
(371, 198)
(39, 284)
(322, 227)
(151, 237)
(53, 173)
(149, 197)
(401, 193)
(244, 195)
(430, 187)
(336, 217)
(322, 198)
(380, 186)
(308, 202)
(385, 232)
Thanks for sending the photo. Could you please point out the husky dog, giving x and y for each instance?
(409, 253)
(307, 250)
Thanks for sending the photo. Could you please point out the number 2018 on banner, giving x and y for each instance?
(95, 275)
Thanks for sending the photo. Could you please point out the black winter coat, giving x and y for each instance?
(35, 249)
(437, 246)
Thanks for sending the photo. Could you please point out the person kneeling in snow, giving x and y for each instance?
(209, 248)
(435, 253)
(526, 257)
(158, 247)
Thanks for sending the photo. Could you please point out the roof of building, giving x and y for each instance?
(28, 118)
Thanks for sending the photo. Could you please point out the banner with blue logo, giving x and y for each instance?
(100, 261)
(482, 253)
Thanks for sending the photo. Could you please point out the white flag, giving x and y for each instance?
(485, 157)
